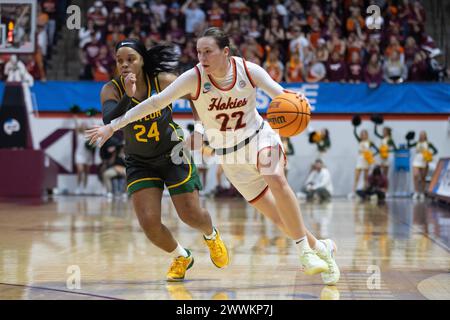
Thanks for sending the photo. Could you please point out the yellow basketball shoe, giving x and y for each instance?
(332, 275)
(311, 263)
(179, 267)
(217, 251)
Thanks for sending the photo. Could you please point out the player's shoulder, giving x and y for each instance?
(110, 86)
(111, 90)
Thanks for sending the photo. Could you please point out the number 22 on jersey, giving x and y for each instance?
(152, 132)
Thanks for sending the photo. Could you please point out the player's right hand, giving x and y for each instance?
(130, 84)
(99, 135)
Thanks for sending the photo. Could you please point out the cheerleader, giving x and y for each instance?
(386, 147)
(365, 156)
(322, 140)
(425, 151)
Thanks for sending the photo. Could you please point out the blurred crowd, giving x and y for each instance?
(294, 40)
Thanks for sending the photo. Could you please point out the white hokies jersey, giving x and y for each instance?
(229, 114)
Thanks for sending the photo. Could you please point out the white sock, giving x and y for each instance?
(212, 235)
(179, 251)
(302, 245)
(320, 246)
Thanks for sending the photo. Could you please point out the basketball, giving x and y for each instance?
(288, 114)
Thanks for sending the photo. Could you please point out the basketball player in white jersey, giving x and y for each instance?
(223, 90)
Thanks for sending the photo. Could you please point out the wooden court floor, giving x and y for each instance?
(92, 248)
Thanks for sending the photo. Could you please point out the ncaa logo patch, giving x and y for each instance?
(207, 86)
(242, 83)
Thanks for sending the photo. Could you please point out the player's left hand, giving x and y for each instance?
(299, 94)
(99, 135)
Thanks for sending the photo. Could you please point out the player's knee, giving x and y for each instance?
(276, 182)
(191, 213)
(149, 222)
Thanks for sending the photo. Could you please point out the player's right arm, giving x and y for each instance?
(112, 105)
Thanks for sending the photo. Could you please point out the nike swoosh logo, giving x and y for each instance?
(206, 91)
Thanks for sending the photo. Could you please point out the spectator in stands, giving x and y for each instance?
(318, 183)
(315, 14)
(316, 71)
(195, 17)
(355, 23)
(336, 68)
(298, 43)
(354, 44)
(355, 70)
(418, 69)
(322, 53)
(254, 30)
(251, 49)
(103, 65)
(175, 34)
(236, 7)
(373, 73)
(86, 33)
(294, 70)
(273, 65)
(216, 15)
(373, 47)
(438, 66)
(42, 40)
(315, 33)
(190, 51)
(158, 7)
(98, 13)
(336, 44)
(296, 12)
(331, 26)
(410, 51)
(114, 37)
(394, 46)
(417, 15)
(274, 35)
(49, 7)
(15, 71)
(394, 70)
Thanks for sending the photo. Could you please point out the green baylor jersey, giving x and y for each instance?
(153, 135)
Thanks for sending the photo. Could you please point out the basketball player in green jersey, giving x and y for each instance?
(149, 145)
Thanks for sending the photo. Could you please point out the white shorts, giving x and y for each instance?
(384, 162)
(361, 163)
(241, 169)
(419, 162)
(84, 156)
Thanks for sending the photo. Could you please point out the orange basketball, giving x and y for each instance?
(288, 115)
